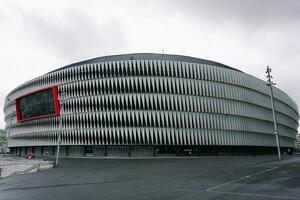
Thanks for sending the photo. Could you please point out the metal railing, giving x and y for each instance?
(26, 170)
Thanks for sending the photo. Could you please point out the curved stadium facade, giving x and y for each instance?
(147, 105)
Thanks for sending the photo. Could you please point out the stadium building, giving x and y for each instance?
(147, 105)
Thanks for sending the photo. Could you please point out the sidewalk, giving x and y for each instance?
(16, 165)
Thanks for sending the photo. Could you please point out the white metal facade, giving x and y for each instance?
(156, 102)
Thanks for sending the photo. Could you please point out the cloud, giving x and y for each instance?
(254, 13)
(75, 35)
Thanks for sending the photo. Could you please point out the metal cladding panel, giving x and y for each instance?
(156, 102)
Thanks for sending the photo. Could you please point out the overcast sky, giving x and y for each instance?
(37, 37)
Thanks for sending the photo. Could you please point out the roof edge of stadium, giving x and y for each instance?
(146, 56)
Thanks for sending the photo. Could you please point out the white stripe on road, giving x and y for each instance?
(239, 179)
(244, 194)
(249, 194)
(257, 195)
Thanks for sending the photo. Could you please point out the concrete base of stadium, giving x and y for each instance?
(146, 151)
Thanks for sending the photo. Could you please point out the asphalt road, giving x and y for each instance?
(261, 177)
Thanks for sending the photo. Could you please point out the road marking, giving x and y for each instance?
(243, 194)
(212, 190)
(239, 179)
(257, 195)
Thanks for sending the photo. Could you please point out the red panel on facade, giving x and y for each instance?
(56, 112)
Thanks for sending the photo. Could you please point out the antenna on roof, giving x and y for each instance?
(163, 51)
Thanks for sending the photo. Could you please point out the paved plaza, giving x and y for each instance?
(260, 177)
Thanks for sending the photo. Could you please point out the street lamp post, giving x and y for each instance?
(270, 83)
(62, 101)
